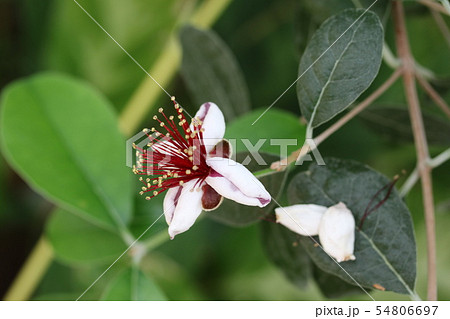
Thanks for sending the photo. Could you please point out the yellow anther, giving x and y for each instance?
(160, 110)
(161, 124)
(173, 98)
(180, 116)
(155, 117)
(145, 130)
(171, 117)
(141, 179)
(188, 171)
(134, 146)
(175, 175)
(144, 188)
(141, 193)
(191, 158)
(147, 198)
(155, 193)
(181, 183)
(147, 180)
(195, 167)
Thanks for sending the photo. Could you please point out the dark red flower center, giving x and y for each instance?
(173, 157)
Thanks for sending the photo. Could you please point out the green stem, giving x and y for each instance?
(156, 240)
(31, 273)
(414, 177)
(264, 172)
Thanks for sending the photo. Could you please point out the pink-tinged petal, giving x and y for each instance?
(232, 180)
(210, 199)
(213, 124)
(302, 219)
(188, 208)
(170, 202)
(221, 149)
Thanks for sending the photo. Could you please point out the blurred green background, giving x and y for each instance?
(212, 261)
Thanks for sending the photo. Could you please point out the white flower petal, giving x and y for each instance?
(232, 180)
(188, 208)
(213, 124)
(302, 219)
(337, 232)
(170, 202)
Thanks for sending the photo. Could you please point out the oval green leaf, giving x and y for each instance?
(211, 72)
(133, 285)
(332, 286)
(340, 62)
(77, 241)
(385, 247)
(61, 136)
(273, 130)
(283, 248)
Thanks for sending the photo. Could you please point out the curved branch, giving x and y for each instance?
(420, 141)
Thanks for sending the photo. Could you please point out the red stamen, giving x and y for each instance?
(173, 158)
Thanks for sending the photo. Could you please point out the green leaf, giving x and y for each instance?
(332, 286)
(339, 63)
(385, 248)
(272, 126)
(395, 123)
(212, 73)
(234, 214)
(75, 240)
(133, 285)
(61, 136)
(320, 10)
(284, 250)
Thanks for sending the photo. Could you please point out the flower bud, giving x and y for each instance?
(302, 219)
(337, 232)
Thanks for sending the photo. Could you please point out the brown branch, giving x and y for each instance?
(442, 25)
(434, 95)
(360, 107)
(282, 164)
(434, 5)
(420, 141)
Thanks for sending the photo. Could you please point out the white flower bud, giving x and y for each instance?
(337, 232)
(302, 219)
